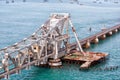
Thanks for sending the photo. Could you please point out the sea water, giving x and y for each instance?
(18, 20)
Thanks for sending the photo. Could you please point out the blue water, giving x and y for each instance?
(19, 20)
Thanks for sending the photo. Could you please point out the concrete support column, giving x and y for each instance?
(95, 41)
(110, 33)
(87, 44)
(103, 36)
(116, 30)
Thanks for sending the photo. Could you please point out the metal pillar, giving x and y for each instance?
(78, 41)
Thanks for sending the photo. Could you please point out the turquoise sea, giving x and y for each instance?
(19, 20)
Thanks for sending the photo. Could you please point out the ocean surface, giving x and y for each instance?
(20, 19)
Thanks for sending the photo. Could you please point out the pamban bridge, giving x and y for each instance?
(49, 44)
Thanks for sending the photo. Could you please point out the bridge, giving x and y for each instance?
(47, 45)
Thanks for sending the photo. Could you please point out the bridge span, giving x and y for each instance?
(94, 39)
(47, 45)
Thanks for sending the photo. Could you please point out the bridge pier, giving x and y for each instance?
(87, 44)
(55, 62)
(109, 33)
(103, 36)
(115, 31)
(95, 41)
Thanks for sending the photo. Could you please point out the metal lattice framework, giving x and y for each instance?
(47, 42)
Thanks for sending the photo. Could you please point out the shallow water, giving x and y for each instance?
(19, 20)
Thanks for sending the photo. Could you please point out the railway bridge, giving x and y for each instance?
(47, 45)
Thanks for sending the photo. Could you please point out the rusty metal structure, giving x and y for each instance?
(50, 42)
